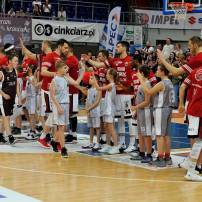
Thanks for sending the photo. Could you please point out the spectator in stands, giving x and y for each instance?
(172, 58)
(168, 48)
(36, 2)
(62, 14)
(11, 12)
(146, 51)
(178, 49)
(47, 8)
(20, 13)
(159, 46)
(37, 10)
(8, 5)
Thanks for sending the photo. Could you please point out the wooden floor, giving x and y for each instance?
(84, 179)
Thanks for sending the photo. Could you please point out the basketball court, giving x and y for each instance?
(29, 173)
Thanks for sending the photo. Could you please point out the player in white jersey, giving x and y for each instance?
(144, 118)
(59, 93)
(164, 100)
(31, 100)
(109, 111)
(93, 113)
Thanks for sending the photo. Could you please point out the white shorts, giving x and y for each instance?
(49, 120)
(61, 119)
(108, 119)
(194, 126)
(94, 122)
(31, 104)
(123, 106)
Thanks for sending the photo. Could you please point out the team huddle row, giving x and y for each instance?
(118, 87)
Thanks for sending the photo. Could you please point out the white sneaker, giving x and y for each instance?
(134, 154)
(31, 136)
(193, 177)
(88, 146)
(96, 147)
(105, 149)
(114, 150)
(184, 164)
(130, 148)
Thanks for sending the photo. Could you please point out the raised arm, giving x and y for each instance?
(26, 52)
(151, 91)
(172, 69)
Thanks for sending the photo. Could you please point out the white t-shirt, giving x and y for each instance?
(45, 9)
(167, 49)
(62, 14)
(36, 3)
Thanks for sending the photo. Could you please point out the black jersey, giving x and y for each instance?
(9, 82)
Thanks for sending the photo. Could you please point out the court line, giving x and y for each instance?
(96, 177)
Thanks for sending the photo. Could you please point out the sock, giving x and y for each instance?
(74, 134)
(160, 156)
(103, 136)
(132, 140)
(43, 135)
(142, 154)
(167, 156)
(121, 138)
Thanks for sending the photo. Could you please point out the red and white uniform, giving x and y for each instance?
(73, 63)
(49, 62)
(194, 63)
(124, 69)
(194, 81)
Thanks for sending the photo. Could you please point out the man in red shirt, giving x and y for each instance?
(73, 64)
(122, 65)
(45, 49)
(195, 46)
(48, 71)
(194, 81)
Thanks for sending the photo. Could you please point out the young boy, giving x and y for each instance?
(9, 88)
(59, 92)
(93, 113)
(194, 162)
(31, 101)
(163, 102)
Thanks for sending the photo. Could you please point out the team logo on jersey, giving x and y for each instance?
(198, 75)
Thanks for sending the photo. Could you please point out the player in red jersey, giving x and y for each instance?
(122, 65)
(45, 49)
(73, 64)
(194, 81)
(48, 71)
(195, 46)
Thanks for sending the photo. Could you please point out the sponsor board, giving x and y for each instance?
(71, 31)
(156, 19)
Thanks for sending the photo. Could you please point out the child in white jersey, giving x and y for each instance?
(144, 118)
(93, 113)
(109, 111)
(31, 101)
(163, 102)
(59, 92)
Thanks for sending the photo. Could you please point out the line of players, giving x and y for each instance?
(117, 99)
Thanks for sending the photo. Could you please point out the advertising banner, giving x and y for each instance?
(71, 31)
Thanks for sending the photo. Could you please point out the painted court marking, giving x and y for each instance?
(7, 195)
(94, 176)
